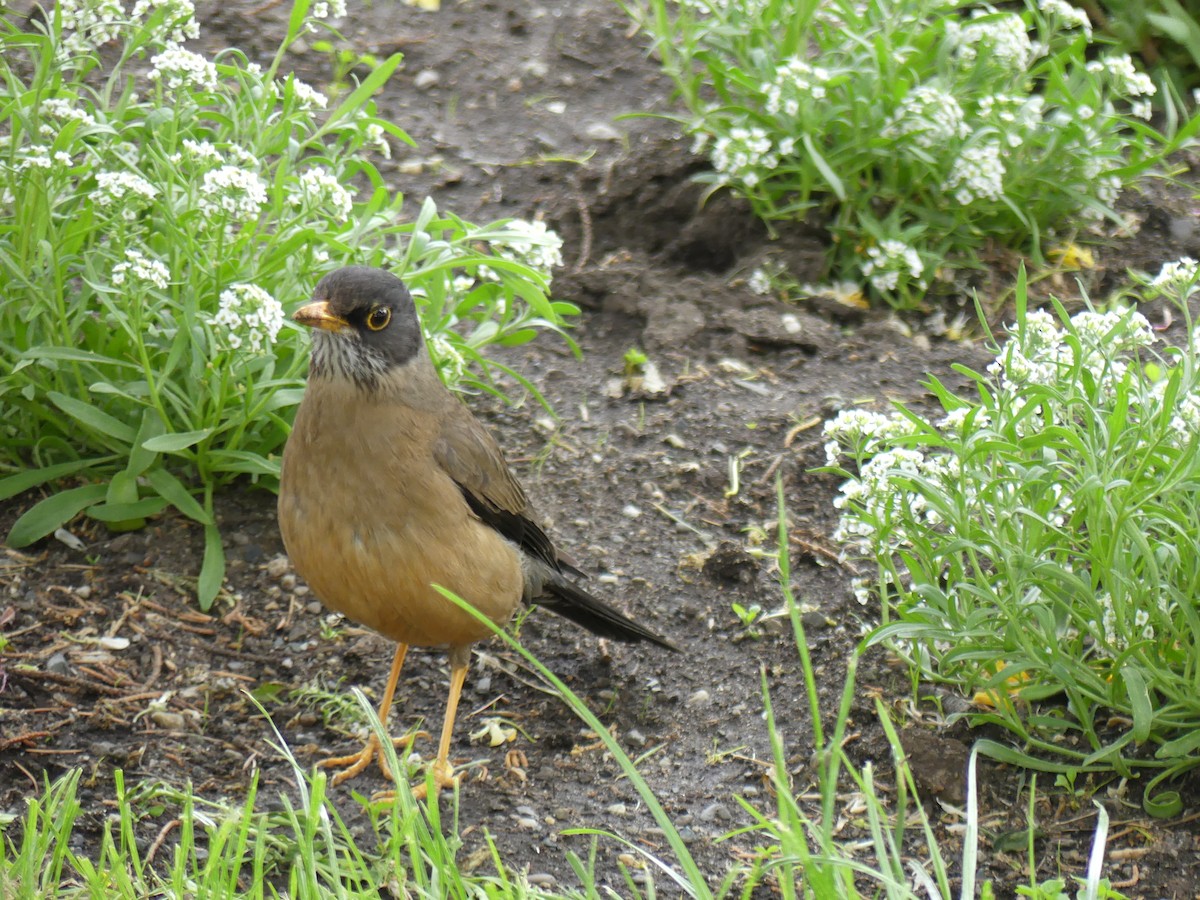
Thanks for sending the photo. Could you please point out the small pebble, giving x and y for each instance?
(288, 582)
(527, 811)
(278, 567)
(83, 591)
(58, 664)
(426, 78)
(715, 812)
(602, 131)
(541, 879)
(700, 698)
(630, 511)
(527, 824)
(635, 738)
(615, 809)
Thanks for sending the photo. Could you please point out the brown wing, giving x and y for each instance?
(469, 455)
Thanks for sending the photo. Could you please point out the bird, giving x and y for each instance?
(390, 485)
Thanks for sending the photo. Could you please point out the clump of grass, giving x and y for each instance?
(160, 212)
(924, 130)
(1036, 540)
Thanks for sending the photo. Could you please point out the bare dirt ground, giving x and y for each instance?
(515, 111)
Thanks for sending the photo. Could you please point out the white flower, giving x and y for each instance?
(929, 116)
(998, 39)
(759, 282)
(177, 68)
(743, 152)
(131, 193)
(64, 110)
(888, 260)
(247, 310)
(89, 24)
(233, 191)
(34, 156)
(977, 174)
(1070, 16)
(151, 271)
(532, 243)
(1128, 80)
(327, 9)
(1178, 277)
(447, 357)
(179, 23)
(795, 80)
(307, 97)
(377, 136)
(318, 188)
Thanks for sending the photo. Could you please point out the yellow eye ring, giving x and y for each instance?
(378, 318)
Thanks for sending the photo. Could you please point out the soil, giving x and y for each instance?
(517, 110)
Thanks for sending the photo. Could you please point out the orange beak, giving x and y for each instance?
(318, 315)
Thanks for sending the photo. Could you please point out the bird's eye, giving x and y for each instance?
(378, 318)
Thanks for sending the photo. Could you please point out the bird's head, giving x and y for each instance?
(364, 325)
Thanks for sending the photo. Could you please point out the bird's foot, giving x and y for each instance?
(355, 763)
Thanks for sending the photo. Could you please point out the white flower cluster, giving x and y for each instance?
(202, 154)
(1119, 635)
(232, 191)
(743, 153)
(306, 96)
(1045, 357)
(179, 22)
(377, 137)
(1014, 117)
(250, 315)
(39, 156)
(861, 432)
(182, 69)
(317, 188)
(327, 9)
(977, 174)
(533, 244)
(1129, 81)
(140, 267)
(1178, 277)
(1067, 14)
(929, 116)
(888, 260)
(125, 191)
(89, 24)
(63, 110)
(998, 39)
(795, 80)
(447, 357)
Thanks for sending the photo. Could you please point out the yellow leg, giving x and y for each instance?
(354, 763)
(443, 772)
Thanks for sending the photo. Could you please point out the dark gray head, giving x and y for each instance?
(364, 323)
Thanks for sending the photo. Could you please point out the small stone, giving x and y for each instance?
(674, 440)
(172, 721)
(278, 567)
(288, 582)
(602, 131)
(615, 809)
(426, 78)
(58, 664)
(541, 879)
(635, 738)
(715, 812)
(527, 811)
(557, 107)
(630, 511)
(700, 698)
(83, 591)
(527, 824)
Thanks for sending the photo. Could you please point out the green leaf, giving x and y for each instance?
(141, 457)
(93, 418)
(212, 570)
(173, 491)
(52, 513)
(121, 513)
(1139, 701)
(361, 94)
(24, 481)
(180, 440)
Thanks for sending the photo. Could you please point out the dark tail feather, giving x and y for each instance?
(572, 602)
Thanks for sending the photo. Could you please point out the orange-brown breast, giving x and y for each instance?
(371, 521)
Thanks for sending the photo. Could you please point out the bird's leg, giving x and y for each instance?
(354, 763)
(443, 772)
